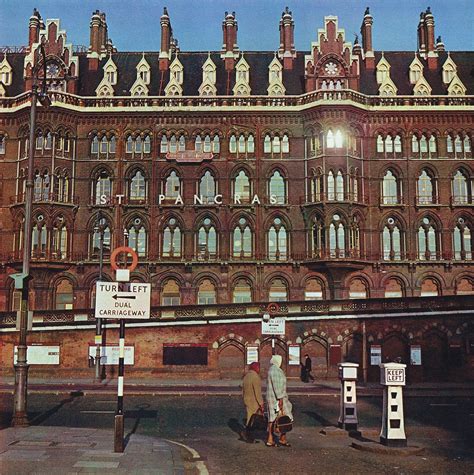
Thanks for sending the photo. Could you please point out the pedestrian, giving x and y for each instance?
(253, 400)
(308, 367)
(277, 401)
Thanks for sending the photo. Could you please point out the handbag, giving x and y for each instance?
(258, 421)
(283, 424)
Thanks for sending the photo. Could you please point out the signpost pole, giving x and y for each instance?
(118, 431)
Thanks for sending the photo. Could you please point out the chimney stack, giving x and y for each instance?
(230, 50)
(426, 38)
(421, 34)
(99, 41)
(440, 45)
(287, 50)
(166, 35)
(366, 32)
(34, 28)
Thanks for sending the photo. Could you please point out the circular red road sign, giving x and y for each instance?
(121, 250)
(273, 308)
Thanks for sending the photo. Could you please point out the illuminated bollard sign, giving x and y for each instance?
(113, 302)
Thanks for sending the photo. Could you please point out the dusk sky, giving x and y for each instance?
(134, 25)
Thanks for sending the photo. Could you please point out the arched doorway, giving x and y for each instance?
(434, 357)
(231, 361)
(395, 348)
(352, 350)
(317, 351)
(266, 354)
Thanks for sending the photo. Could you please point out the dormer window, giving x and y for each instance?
(111, 77)
(144, 75)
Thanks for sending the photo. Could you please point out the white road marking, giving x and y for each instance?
(98, 412)
(199, 464)
(443, 405)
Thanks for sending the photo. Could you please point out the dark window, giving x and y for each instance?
(185, 355)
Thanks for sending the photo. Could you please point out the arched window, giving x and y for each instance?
(242, 240)
(241, 144)
(423, 144)
(388, 144)
(432, 145)
(147, 144)
(429, 288)
(207, 241)
(232, 144)
(397, 144)
(241, 188)
(64, 295)
(380, 144)
(207, 187)
(170, 294)
(278, 291)
(277, 241)
(460, 188)
(390, 188)
(339, 186)
(138, 145)
(285, 144)
(59, 240)
(137, 237)
(393, 289)
(415, 146)
(172, 185)
(267, 144)
(206, 293)
(458, 145)
(276, 144)
(425, 189)
(198, 144)
(465, 286)
(129, 144)
(103, 188)
(427, 240)
(182, 144)
(337, 239)
(338, 140)
(330, 143)
(164, 144)
(48, 142)
(171, 239)
(449, 144)
(137, 190)
(250, 144)
(173, 144)
(314, 290)
(392, 240)
(216, 146)
(242, 292)
(467, 144)
(462, 241)
(39, 237)
(2, 144)
(331, 186)
(104, 145)
(358, 289)
(101, 231)
(277, 188)
(207, 144)
(112, 144)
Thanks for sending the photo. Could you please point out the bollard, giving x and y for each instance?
(348, 413)
(392, 376)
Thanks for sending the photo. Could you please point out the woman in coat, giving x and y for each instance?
(277, 400)
(252, 394)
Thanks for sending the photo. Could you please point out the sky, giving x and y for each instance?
(134, 25)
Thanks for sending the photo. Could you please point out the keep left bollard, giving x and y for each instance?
(348, 409)
(392, 376)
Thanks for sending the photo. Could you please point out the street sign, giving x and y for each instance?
(112, 302)
(274, 326)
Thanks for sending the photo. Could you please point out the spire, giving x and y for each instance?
(287, 50)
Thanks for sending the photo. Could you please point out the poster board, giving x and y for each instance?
(251, 354)
(415, 355)
(294, 355)
(40, 354)
(375, 355)
(109, 355)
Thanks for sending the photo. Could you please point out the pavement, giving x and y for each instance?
(65, 450)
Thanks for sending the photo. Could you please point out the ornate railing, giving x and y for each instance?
(298, 102)
(208, 313)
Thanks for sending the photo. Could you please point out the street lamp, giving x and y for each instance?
(20, 416)
(99, 229)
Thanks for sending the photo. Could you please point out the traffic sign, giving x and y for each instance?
(274, 326)
(113, 302)
(122, 250)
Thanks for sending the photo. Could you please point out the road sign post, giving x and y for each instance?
(272, 326)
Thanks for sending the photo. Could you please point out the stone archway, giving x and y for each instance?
(231, 361)
(318, 352)
(394, 347)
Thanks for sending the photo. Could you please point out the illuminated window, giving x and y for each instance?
(64, 295)
(242, 292)
(170, 294)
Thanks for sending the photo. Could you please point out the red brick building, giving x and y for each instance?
(310, 178)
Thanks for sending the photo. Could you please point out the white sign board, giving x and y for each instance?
(252, 354)
(274, 326)
(39, 354)
(294, 355)
(415, 355)
(394, 377)
(375, 355)
(109, 355)
(110, 302)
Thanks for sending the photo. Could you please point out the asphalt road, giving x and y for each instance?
(210, 424)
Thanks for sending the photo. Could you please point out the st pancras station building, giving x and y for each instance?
(324, 193)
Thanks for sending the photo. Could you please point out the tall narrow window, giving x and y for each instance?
(138, 145)
(277, 188)
(241, 188)
(338, 139)
(137, 186)
(182, 144)
(391, 241)
(389, 189)
(318, 238)
(129, 145)
(415, 146)
(331, 186)
(425, 188)
(250, 144)
(330, 139)
(336, 238)
(59, 239)
(207, 144)
(207, 187)
(216, 146)
(380, 144)
(103, 189)
(285, 144)
(242, 240)
(277, 241)
(460, 188)
(137, 237)
(103, 145)
(207, 241)
(242, 144)
(389, 144)
(267, 144)
(462, 241)
(173, 144)
(112, 144)
(339, 186)
(171, 239)
(397, 144)
(164, 144)
(198, 144)
(101, 229)
(232, 144)
(172, 185)
(427, 240)
(147, 144)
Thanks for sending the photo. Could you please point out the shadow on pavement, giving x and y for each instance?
(138, 415)
(317, 417)
(38, 420)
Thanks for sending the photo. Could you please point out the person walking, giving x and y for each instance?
(308, 367)
(252, 395)
(277, 401)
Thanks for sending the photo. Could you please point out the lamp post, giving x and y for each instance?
(20, 416)
(99, 228)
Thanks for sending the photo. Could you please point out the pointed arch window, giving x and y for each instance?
(460, 188)
(172, 240)
(318, 238)
(207, 144)
(170, 295)
(216, 146)
(250, 144)
(393, 289)
(101, 231)
(138, 145)
(181, 143)
(137, 187)
(64, 295)
(317, 186)
(267, 144)
(242, 242)
(337, 238)
(330, 143)
(207, 241)
(380, 144)
(449, 144)
(207, 187)
(339, 186)
(48, 142)
(276, 144)
(172, 186)
(331, 186)
(285, 144)
(429, 288)
(397, 144)
(173, 144)
(164, 144)
(389, 144)
(103, 145)
(314, 290)
(59, 240)
(390, 189)
(277, 241)
(427, 240)
(241, 188)
(242, 292)
(415, 146)
(425, 189)
(198, 143)
(39, 238)
(129, 144)
(103, 188)
(277, 188)
(232, 144)
(392, 240)
(278, 291)
(462, 241)
(241, 144)
(137, 237)
(206, 293)
(147, 144)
